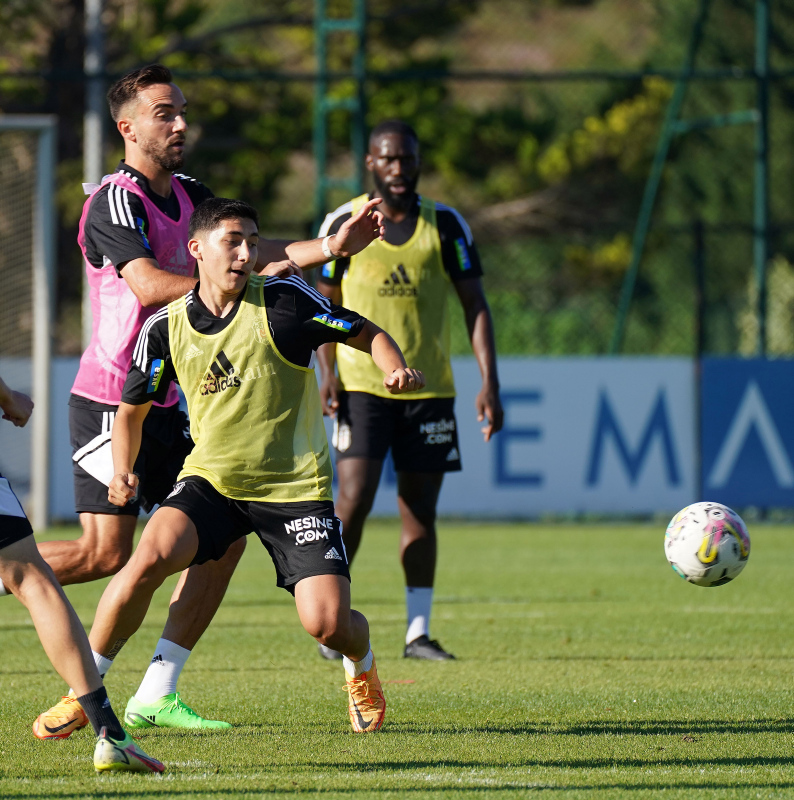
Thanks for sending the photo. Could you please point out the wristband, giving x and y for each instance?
(326, 249)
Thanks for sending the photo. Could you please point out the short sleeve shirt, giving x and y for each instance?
(292, 311)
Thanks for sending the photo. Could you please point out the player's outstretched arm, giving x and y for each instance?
(17, 406)
(351, 238)
(389, 358)
(125, 444)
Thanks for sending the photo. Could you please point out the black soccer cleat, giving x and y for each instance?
(426, 649)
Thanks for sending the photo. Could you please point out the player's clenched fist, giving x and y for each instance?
(123, 488)
(404, 380)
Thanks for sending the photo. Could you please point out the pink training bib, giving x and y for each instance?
(118, 316)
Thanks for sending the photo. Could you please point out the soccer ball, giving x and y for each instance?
(707, 544)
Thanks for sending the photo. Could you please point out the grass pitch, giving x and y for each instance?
(586, 669)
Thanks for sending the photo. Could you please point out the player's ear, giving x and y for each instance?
(126, 130)
(369, 162)
(194, 248)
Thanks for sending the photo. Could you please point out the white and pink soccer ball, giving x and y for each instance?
(707, 544)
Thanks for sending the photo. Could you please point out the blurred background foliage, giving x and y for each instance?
(548, 172)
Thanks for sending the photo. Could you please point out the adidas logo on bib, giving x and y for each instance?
(193, 352)
(332, 553)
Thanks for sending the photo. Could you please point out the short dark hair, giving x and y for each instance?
(126, 88)
(209, 214)
(392, 126)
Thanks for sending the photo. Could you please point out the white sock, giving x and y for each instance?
(355, 668)
(3, 590)
(418, 601)
(102, 664)
(163, 673)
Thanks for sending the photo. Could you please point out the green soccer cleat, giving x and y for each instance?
(167, 712)
(123, 755)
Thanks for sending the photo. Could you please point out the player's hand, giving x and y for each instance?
(329, 395)
(123, 488)
(17, 408)
(489, 410)
(282, 269)
(404, 380)
(359, 231)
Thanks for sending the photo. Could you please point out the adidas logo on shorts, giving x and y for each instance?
(453, 455)
(332, 553)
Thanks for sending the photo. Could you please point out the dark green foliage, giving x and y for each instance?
(577, 152)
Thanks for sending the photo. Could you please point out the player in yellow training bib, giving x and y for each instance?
(402, 283)
(242, 348)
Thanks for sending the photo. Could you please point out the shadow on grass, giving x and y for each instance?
(168, 790)
(593, 728)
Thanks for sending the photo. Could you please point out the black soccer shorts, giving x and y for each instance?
(303, 539)
(165, 444)
(422, 434)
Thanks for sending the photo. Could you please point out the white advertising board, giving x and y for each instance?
(581, 435)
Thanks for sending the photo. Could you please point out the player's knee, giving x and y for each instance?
(330, 629)
(26, 580)
(13, 576)
(149, 566)
(356, 497)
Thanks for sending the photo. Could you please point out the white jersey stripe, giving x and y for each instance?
(462, 222)
(117, 190)
(141, 352)
(123, 216)
(299, 283)
(347, 208)
(126, 198)
(114, 217)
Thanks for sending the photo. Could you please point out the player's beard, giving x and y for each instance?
(399, 202)
(168, 160)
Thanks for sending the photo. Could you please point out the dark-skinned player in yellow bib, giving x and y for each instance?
(242, 348)
(402, 283)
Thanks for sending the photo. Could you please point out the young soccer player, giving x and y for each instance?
(242, 347)
(27, 576)
(133, 236)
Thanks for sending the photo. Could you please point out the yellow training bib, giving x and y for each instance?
(403, 289)
(255, 417)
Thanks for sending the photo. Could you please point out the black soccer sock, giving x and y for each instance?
(100, 713)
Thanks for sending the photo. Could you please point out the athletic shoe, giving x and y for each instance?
(427, 649)
(122, 755)
(62, 720)
(366, 705)
(326, 652)
(167, 712)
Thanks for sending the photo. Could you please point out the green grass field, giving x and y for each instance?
(586, 669)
